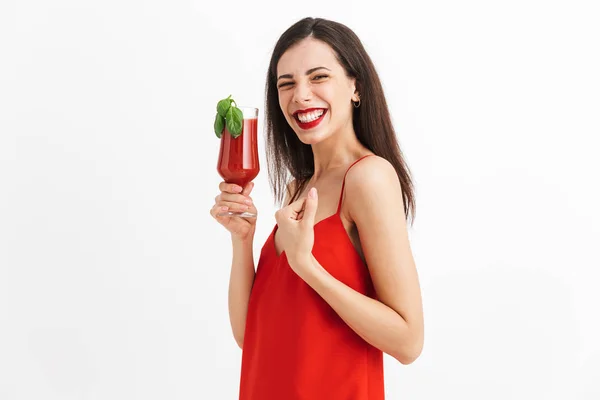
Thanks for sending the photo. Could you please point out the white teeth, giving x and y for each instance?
(310, 116)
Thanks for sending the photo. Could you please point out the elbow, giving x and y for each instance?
(239, 339)
(238, 333)
(408, 354)
(407, 358)
(240, 342)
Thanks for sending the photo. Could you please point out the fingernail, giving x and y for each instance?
(249, 202)
(312, 193)
(224, 208)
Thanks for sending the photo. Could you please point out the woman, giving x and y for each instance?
(336, 284)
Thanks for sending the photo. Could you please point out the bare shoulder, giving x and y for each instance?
(372, 185)
(375, 204)
(371, 170)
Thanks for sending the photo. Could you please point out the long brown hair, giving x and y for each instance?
(372, 122)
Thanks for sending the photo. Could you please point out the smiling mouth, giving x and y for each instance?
(307, 119)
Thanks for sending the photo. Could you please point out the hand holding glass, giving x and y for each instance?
(238, 157)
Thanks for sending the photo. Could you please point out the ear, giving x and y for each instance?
(352, 82)
(355, 93)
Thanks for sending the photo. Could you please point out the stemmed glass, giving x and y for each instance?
(238, 157)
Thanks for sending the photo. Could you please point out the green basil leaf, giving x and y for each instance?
(223, 106)
(219, 125)
(238, 116)
(234, 121)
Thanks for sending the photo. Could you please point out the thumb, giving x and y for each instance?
(248, 188)
(310, 207)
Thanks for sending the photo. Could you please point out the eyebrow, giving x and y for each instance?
(310, 71)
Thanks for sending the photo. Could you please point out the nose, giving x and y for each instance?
(302, 93)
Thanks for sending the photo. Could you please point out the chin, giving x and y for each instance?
(312, 137)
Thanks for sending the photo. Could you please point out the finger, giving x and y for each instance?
(297, 205)
(310, 210)
(230, 187)
(289, 212)
(216, 209)
(248, 189)
(235, 198)
(234, 206)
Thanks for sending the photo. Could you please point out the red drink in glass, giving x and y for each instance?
(238, 157)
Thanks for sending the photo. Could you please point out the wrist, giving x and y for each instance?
(308, 269)
(243, 242)
(302, 260)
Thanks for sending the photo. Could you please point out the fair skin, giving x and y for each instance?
(372, 211)
(394, 322)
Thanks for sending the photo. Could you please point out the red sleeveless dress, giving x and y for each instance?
(296, 347)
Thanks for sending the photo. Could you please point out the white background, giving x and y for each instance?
(113, 275)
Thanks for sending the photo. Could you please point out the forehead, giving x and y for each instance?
(306, 54)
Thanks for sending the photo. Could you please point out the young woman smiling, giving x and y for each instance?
(336, 285)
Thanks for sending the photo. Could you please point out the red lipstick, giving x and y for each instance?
(311, 124)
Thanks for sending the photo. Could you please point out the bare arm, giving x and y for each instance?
(393, 322)
(241, 280)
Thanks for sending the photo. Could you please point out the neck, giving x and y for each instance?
(335, 152)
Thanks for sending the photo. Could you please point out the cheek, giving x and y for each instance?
(283, 101)
(338, 101)
(332, 96)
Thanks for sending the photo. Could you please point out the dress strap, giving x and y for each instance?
(344, 182)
